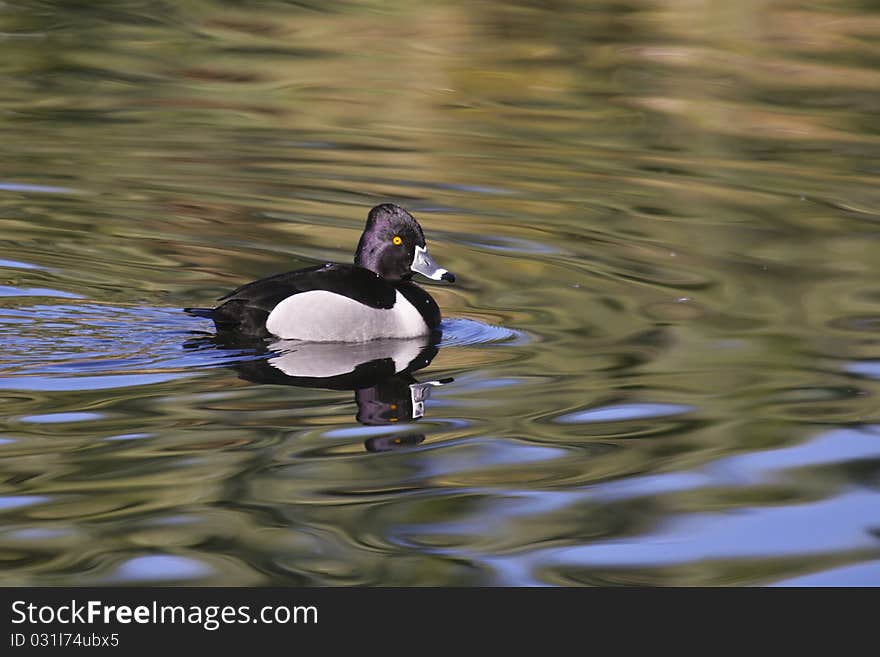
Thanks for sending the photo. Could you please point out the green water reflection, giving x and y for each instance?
(664, 336)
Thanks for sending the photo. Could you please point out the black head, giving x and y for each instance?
(393, 245)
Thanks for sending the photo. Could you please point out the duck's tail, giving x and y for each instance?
(207, 313)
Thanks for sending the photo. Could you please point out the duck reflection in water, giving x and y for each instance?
(380, 373)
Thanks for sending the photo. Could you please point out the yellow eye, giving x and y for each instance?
(397, 239)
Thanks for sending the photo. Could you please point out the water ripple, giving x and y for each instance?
(622, 412)
(98, 346)
(462, 332)
(37, 189)
(861, 574)
(630, 404)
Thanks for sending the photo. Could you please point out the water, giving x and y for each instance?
(660, 364)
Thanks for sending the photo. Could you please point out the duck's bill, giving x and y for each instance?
(424, 264)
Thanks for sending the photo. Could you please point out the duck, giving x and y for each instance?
(372, 299)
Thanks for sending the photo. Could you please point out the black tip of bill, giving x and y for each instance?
(448, 276)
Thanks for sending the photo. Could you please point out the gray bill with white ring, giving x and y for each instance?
(424, 264)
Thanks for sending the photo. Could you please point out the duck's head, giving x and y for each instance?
(393, 246)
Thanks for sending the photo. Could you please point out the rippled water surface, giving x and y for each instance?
(660, 364)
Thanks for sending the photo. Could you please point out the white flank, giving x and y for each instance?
(321, 316)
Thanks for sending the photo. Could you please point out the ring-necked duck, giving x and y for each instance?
(371, 299)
